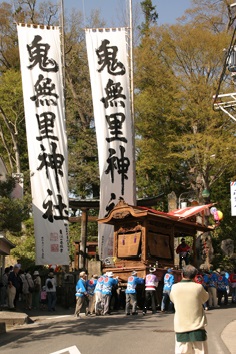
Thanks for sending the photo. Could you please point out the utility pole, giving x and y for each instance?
(62, 25)
(132, 92)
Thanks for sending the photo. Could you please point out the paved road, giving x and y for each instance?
(116, 334)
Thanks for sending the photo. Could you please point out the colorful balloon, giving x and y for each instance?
(213, 210)
(220, 214)
(216, 216)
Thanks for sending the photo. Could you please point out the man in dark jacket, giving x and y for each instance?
(14, 285)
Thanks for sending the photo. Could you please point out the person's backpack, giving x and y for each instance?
(49, 284)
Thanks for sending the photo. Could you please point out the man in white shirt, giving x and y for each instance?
(190, 319)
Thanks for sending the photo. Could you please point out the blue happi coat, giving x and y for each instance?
(133, 281)
(213, 280)
(91, 284)
(99, 285)
(81, 288)
(222, 283)
(169, 280)
(108, 284)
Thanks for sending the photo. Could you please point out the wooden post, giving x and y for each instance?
(83, 238)
(172, 205)
(144, 242)
(194, 252)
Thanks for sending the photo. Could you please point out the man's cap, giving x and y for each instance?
(110, 274)
(50, 274)
(36, 272)
(169, 270)
(95, 276)
(81, 274)
(134, 273)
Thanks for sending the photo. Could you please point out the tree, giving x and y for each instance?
(25, 245)
(197, 140)
(12, 124)
(13, 211)
(195, 146)
(150, 15)
(83, 175)
(153, 101)
(83, 159)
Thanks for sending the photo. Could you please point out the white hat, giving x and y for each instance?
(110, 274)
(152, 270)
(36, 272)
(81, 274)
(134, 273)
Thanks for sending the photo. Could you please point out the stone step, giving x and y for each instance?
(2, 327)
(11, 318)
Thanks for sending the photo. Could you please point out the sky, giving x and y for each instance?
(168, 10)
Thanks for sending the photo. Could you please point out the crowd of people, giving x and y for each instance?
(96, 293)
(218, 284)
(18, 285)
(187, 299)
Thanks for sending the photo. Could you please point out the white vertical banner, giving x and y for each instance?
(109, 75)
(41, 69)
(233, 197)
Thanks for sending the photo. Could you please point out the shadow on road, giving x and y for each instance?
(92, 325)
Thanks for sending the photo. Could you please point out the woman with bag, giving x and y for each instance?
(37, 290)
(28, 289)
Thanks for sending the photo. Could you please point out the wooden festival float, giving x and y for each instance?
(145, 238)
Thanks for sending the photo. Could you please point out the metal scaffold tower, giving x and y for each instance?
(226, 102)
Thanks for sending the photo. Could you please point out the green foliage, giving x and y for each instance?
(13, 147)
(154, 100)
(6, 187)
(82, 145)
(181, 143)
(25, 245)
(176, 78)
(150, 16)
(13, 211)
